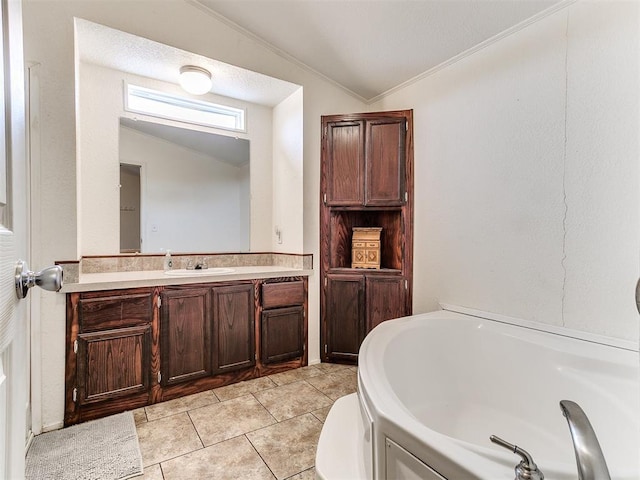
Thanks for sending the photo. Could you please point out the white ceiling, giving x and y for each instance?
(107, 47)
(371, 46)
(368, 47)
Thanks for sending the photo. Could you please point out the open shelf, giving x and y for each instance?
(341, 228)
(368, 271)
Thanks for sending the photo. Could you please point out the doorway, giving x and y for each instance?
(130, 240)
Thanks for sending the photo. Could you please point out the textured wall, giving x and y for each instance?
(527, 174)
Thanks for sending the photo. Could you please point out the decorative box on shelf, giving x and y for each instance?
(365, 247)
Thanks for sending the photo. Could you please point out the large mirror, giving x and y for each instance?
(174, 181)
(199, 188)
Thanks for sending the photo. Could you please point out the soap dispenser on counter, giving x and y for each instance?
(168, 262)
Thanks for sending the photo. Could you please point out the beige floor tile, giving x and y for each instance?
(336, 385)
(243, 388)
(295, 375)
(306, 475)
(331, 367)
(229, 419)
(179, 405)
(167, 438)
(292, 400)
(321, 414)
(229, 460)
(152, 472)
(139, 415)
(288, 447)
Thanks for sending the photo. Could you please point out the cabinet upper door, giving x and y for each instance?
(385, 162)
(365, 162)
(344, 151)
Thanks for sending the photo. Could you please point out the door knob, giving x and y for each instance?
(50, 278)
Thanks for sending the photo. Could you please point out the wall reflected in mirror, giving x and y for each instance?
(182, 189)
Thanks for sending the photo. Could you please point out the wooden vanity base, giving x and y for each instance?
(126, 349)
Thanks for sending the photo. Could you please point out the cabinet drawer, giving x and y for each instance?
(115, 311)
(282, 294)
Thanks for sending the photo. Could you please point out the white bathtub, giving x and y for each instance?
(434, 387)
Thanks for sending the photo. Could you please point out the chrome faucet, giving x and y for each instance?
(527, 468)
(589, 457)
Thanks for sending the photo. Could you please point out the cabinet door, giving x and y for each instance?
(385, 299)
(113, 363)
(233, 327)
(345, 163)
(344, 316)
(185, 331)
(282, 334)
(385, 162)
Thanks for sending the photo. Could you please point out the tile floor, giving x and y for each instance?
(266, 428)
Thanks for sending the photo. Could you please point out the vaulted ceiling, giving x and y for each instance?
(371, 46)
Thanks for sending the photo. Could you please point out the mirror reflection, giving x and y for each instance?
(175, 214)
(182, 187)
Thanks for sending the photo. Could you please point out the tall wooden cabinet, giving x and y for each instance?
(366, 181)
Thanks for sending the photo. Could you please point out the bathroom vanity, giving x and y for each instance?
(127, 347)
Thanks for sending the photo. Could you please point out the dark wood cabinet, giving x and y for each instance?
(344, 162)
(135, 347)
(113, 364)
(385, 162)
(283, 321)
(110, 352)
(366, 181)
(356, 304)
(282, 334)
(233, 327)
(344, 316)
(365, 161)
(385, 299)
(185, 326)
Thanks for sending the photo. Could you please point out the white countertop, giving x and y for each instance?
(151, 278)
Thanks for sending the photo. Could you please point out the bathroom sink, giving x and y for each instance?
(183, 272)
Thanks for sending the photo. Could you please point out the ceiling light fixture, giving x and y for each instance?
(195, 80)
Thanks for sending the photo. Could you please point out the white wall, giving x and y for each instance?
(287, 172)
(48, 29)
(191, 202)
(101, 106)
(526, 170)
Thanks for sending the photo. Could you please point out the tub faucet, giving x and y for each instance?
(527, 468)
(589, 457)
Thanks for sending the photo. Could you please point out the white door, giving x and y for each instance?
(14, 374)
